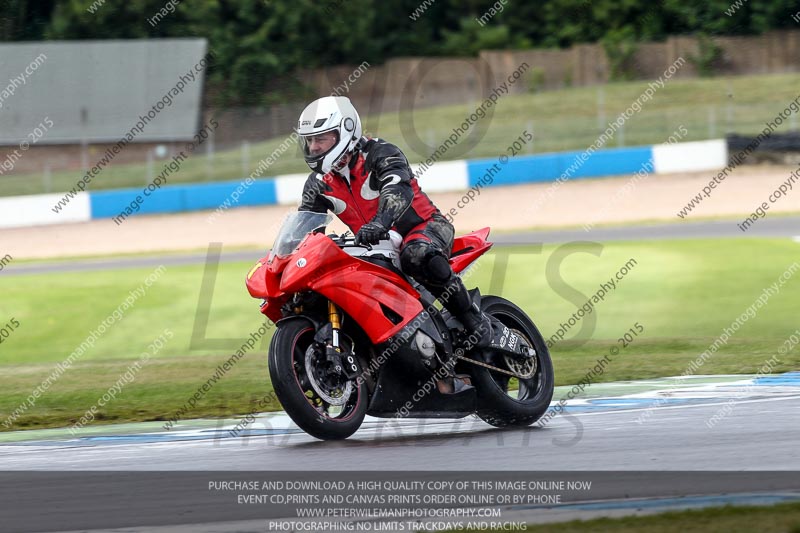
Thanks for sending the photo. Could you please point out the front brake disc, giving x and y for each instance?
(337, 397)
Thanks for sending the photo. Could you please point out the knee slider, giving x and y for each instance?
(412, 259)
(426, 264)
(438, 268)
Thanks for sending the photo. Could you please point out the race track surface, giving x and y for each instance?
(639, 441)
(648, 446)
(640, 425)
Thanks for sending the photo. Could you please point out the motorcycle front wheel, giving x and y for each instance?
(321, 401)
(503, 400)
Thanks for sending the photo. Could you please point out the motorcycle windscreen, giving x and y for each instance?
(295, 227)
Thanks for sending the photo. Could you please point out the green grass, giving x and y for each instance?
(258, 251)
(560, 120)
(644, 222)
(682, 292)
(781, 518)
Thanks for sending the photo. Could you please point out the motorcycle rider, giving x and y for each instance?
(369, 185)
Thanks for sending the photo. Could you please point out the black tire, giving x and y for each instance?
(287, 353)
(495, 406)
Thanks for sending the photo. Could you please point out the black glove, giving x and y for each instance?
(371, 233)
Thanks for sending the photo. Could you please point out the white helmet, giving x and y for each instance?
(331, 113)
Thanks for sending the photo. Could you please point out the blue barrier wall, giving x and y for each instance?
(548, 167)
(667, 158)
(516, 170)
(178, 198)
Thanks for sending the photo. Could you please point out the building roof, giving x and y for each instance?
(96, 91)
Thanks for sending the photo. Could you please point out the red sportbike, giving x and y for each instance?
(355, 336)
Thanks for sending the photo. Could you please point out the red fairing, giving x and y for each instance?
(257, 280)
(364, 293)
(263, 281)
(469, 248)
(379, 300)
(363, 290)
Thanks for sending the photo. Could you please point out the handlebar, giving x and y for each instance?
(345, 240)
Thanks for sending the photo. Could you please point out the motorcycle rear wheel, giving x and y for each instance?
(496, 404)
(291, 347)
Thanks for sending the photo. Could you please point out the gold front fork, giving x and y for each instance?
(349, 362)
(333, 316)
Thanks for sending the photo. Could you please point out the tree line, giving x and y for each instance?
(260, 44)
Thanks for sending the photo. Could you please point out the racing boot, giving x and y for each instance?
(479, 327)
(456, 299)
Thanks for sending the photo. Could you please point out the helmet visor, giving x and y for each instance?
(318, 145)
